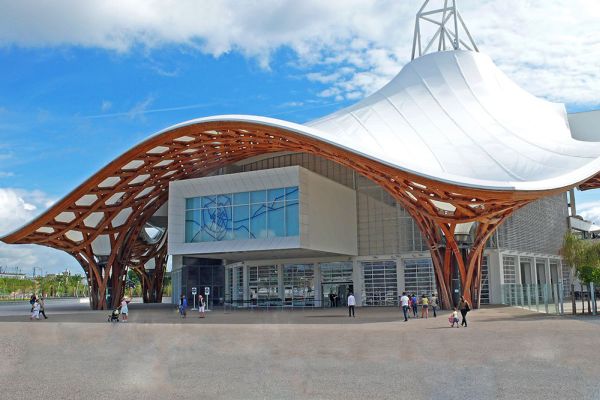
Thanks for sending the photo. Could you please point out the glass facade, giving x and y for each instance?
(299, 286)
(263, 285)
(380, 283)
(246, 215)
(419, 276)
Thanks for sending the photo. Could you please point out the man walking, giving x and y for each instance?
(351, 304)
(404, 303)
(434, 304)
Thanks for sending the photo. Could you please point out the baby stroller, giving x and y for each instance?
(114, 315)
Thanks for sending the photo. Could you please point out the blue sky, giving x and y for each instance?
(81, 82)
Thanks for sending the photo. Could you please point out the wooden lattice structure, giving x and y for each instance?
(113, 206)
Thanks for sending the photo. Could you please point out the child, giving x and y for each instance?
(453, 318)
(36, 311)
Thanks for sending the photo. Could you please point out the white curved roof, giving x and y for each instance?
(453, 116)
(456, 117)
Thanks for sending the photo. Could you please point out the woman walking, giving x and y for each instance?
(42, 306)
(201, 305)
(424, 307)
(464, 308)
(415, 306)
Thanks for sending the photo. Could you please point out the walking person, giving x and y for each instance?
(453, 319)
(201, 305)
(415, 305)
(42, 306)
(404, 302)
(184, 305)
(424, 307)
(35, 314)
(32, 300)
(351, 304)
(464, 308)
(124, 309)
(433, 302)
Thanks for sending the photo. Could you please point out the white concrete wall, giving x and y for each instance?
(328, 215)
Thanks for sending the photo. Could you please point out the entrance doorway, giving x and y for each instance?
(336, 294)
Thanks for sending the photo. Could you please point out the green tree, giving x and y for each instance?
(584, 259)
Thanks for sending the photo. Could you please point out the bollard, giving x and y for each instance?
(593, 295)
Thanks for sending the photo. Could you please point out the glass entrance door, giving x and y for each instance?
(336, 294)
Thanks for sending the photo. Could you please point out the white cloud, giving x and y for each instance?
(105, 106)
(4, 174)
(18, 207)
(140, 108)
(549, 47)
(590, 210)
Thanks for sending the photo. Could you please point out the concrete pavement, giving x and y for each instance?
(505, 353)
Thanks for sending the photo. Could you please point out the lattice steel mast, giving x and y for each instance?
(448, 35)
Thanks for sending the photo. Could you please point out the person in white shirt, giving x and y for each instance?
(351, 304)
(404, 300)
(124, 309)
(201, 305)
(35, 314)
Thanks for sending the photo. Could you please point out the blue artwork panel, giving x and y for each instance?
(223, 200)
(241, 222)
(241, 198)
(275, 195)
(291, 193)
(209, 201)
(276, 219)
(192, 226)
(244, 215)
(292, 219)
(258, 221)
(260, 196)
(192, 203)
(216, 223)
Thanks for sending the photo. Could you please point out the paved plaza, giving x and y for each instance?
(505, 353)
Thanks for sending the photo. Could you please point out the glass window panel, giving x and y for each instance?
(208, 201)
(216, 224)
(276, 219)
(258, 221)
(292, 219)
(192, 226)
(241, 222)
(192, 203)
(291, 193)
(241, 198)
(276, 195)
(259, 196)
(223, 200)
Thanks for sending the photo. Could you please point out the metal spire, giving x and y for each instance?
(447, 35)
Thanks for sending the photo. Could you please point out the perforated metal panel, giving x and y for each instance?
(538, 227)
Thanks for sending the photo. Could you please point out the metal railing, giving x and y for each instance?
(546, 298)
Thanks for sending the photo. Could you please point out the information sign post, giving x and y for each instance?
(207, 293)
(194, 291)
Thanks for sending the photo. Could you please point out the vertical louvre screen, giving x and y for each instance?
(485, 286)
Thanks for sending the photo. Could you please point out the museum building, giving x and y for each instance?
(451, 179)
